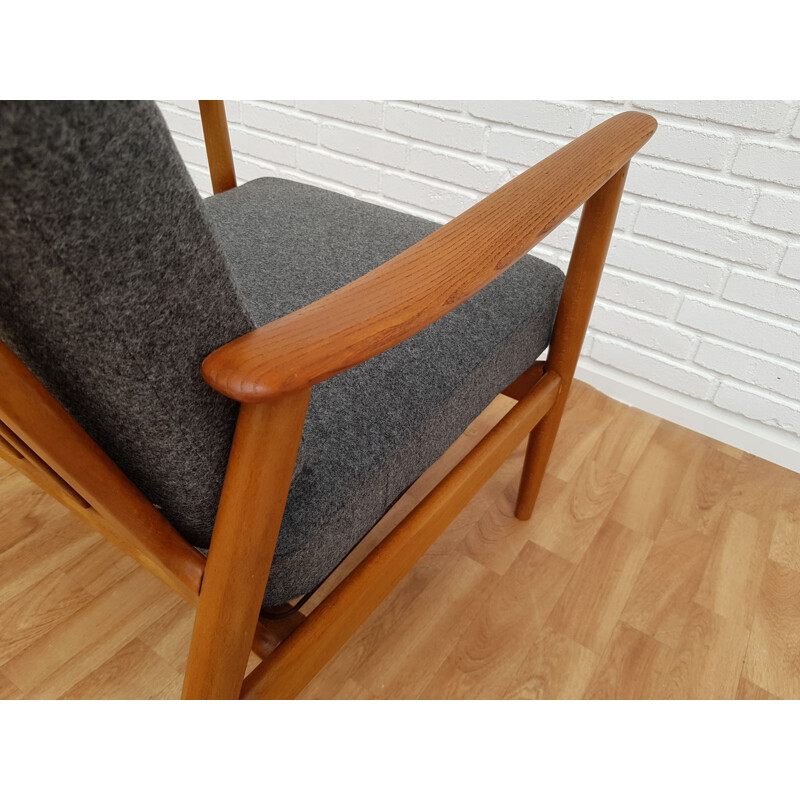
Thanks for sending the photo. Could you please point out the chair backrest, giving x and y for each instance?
(113, 290)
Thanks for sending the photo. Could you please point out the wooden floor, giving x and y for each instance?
(658, 564)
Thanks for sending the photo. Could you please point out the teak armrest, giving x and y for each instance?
(417, 287)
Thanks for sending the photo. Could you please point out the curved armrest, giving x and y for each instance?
(417, 287)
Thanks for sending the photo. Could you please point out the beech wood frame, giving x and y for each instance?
(271, 372)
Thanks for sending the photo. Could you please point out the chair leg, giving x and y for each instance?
(537, 454)
(245, 532)
(572, 320)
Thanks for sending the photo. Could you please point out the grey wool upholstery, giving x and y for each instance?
(116, 280)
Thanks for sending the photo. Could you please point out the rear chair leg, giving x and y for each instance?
(572, 320)
(537, 454)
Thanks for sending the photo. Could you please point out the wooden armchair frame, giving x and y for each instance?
(271, 372)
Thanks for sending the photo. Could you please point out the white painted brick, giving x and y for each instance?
(201, 178)
(249, 170)
(565, 119)
(759, 115)
(188, 105)
(192, 151)
(336, 168)
(655, 368)
(639, 330)
(368, 145)
(264, 147)
(444, 105)
(768, 162)
(428, 126)
(764, 294)
(689, 146)
(182, 122)
(713, 238)
(648, 258)
(626, 215)
(408, 208)
(691, 190)
(779, 211)
(768, 410)
(750, 368)
(441, 199)
(790, 267)
(740, 327)
(600, 116)
(280, 120)
(233, 111)
(520, 148)
(638, 294)
(314, 180)
(460, 170)
(362, 112)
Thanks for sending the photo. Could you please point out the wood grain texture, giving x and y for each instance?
(663, 644)
(417, 287)
(218, 145)
(707, 661)
(785, 546)
(594, 598)
(133, 670)
(555, 668)
(90, 636)
(246, 529)
(749, 691)
(574, 310)
(632, 667)
(772, 661)
(733, 573)
(485, 658)
(428, 631)
(662, 596)
(34, 613)
(568, 523)
(658, 477)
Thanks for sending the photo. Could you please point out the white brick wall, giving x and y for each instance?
(699, 311)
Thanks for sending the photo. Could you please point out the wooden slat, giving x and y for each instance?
(20, 456)
(38, 420)
(303, 654)
(524, 383)
(218, 145)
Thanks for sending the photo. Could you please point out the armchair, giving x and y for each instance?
(346, 347)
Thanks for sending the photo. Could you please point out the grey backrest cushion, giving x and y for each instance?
(113, 290)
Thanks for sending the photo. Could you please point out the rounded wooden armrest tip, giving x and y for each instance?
(230, 379)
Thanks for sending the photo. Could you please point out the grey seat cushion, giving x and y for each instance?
(373, 430)
(116, 280)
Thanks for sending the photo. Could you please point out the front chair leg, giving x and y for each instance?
(572, 320)
(246, 529)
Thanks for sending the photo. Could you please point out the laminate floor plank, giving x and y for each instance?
(632, 668)
(658, 564)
